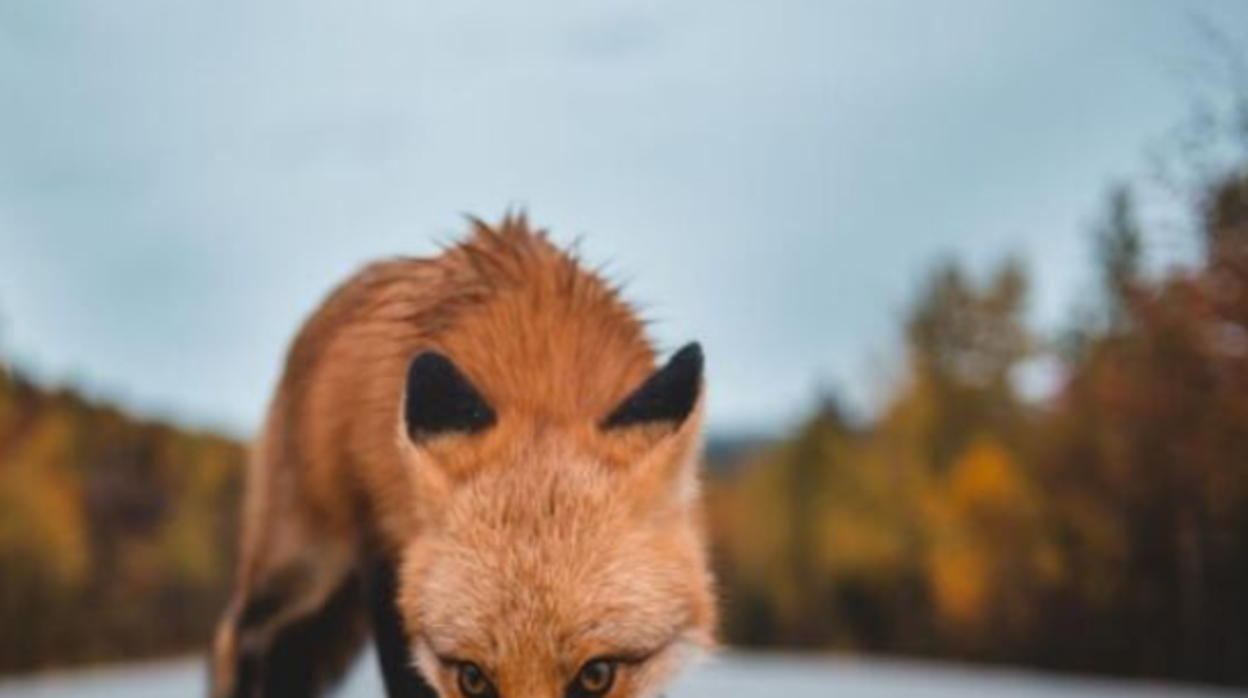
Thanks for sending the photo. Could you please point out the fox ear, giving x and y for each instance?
(440, 400)
(667, 397)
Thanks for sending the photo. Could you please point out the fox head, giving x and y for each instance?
(554, 560)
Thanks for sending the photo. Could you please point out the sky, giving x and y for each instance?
(181, 181)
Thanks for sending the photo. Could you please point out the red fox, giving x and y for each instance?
(475, 456)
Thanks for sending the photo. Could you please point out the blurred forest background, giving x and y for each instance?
(1100, 527)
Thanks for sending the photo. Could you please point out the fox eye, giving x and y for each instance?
(473, 683)
(594, 679)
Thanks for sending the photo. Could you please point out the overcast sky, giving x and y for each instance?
(182, 180)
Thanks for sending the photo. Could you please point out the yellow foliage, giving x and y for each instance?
(853, 540)
(985, 478)
(41, 521)
(986, 544)
(960, 579)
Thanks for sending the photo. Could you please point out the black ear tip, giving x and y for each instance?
(690, 358)
(441, 399)
(669, 395)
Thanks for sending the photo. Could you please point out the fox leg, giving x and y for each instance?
(293, 627)
(401, 678)
(258, 657)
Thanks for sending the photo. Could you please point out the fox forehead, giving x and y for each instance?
(553, 558)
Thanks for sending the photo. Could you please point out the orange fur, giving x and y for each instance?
(529, 548)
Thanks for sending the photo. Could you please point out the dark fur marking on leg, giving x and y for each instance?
(261, 609)
(248, 676)
(393, 651)
(272, 598)
(312, 654)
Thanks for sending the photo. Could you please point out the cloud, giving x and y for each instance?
(181, 181)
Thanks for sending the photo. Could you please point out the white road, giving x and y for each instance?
(730, 676)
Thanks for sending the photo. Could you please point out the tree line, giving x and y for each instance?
(116, 534)
(1102, 527)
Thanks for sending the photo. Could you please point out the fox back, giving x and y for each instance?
(492, 426)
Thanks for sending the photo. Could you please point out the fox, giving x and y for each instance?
(476, 459)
